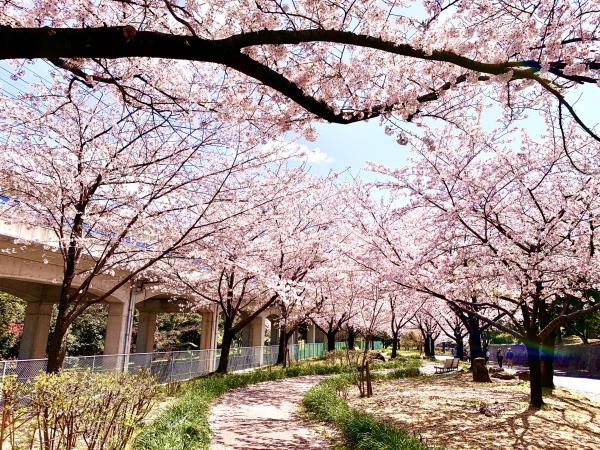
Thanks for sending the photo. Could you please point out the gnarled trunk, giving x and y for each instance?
(475, 339)
(282, 346)
(460, 347)
(330, 341)
(228, 336)
(351, 338)
(535, 374)
(547, 361)
(57, 347)
(426, 345)
(395, 344)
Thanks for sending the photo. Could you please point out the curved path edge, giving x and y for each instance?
(265, 416)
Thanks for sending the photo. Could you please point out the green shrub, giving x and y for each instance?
(404, 372)
(400, 362)
(75, 409)
(361, 430)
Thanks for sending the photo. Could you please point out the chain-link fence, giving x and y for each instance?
(166, 367)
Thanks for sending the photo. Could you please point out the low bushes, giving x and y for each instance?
(404, 372)
(185, 424)
(74, 410)
(360, 430)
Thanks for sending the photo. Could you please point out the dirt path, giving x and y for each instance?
(265, 416)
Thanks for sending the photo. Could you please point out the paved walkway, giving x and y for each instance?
(265, 416)
(587, 387)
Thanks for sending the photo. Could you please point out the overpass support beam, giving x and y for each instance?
(208, 333)
(311, 334)
(35, 330)
(257, 337)
(208, 338)
(115, 335)
(274, 331)
(144, 342)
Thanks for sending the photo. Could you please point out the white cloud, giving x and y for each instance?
(301, 152)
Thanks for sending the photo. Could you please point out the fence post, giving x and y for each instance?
(171, 365)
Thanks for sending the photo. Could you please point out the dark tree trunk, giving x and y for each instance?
(426, 346)
(330, 341)
(284, 349)
(460, 347)
(351, 338)
(475, 339)
(432, 347)
(282, 346)
(535, 375)
(57, 348)
(228, 336)
(547, 361)
(395, 345)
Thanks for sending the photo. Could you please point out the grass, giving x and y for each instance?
(184, 425)
(360, 430)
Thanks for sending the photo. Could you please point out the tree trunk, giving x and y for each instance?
(426, 347)
(228, 336)
(475, 340)
(535, 375)
(330, 341)
(460, 347)
(57, 348)
(286, 348)
(395, 345)
(547, 361)
(282, 346)
(351, 338)
(432, 347)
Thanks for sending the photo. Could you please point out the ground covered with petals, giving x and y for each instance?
(452, 412)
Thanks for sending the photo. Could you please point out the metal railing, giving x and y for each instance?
(166, 367)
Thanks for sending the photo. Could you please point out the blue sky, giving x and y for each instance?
(345, 147)
(351, 146)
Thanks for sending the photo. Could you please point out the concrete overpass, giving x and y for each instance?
(33, 272)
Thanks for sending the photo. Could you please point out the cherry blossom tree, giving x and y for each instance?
(340, 61)
(404, 305)
(120, 188)
(453, 328)
(336, 297)
(514, 229)
(370, 320)
(260, 260)
(430, 330)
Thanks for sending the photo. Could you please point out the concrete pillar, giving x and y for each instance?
(245, 333)
(35, 330)
(257, 332)
(257, 338)
(208, 339)
(115, 335)
(274, 340)
(208, 336)
(320, 336)
(311, 333)
(144, 342)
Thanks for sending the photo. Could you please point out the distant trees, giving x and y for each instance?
(12, 313)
